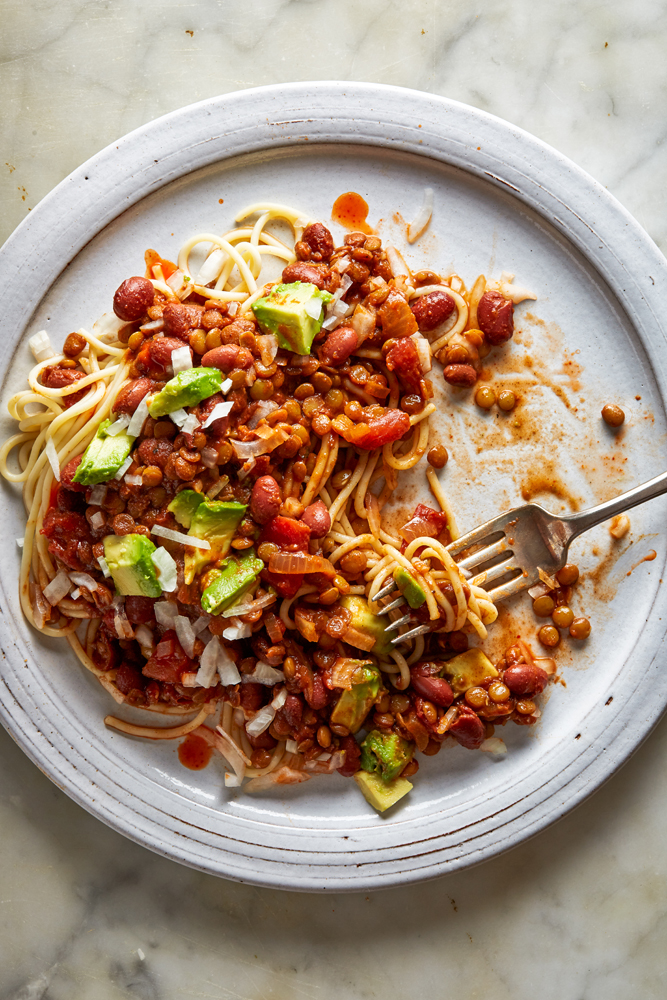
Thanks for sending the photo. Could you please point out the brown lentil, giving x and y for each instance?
(329, 596)
(525, 706)
(410, 769)
(563, 616)
(549, 635)
(135, 341)
(568, 575)
(476, 697)
(321, 381)
(506, 400)
(304, 390)
(197, 341)
(321, 424)
(485, 397)
(324, 736)
(261, 389)
(74, 344)
(151, 476)
(437, 456)
(580, 628)
(212, 340)
(613, 415)
(498, 692)
(354, 562)
(334, 399)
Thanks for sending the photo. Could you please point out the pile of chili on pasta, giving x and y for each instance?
(295, 677)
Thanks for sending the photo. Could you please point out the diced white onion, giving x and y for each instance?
(98, 495)
(424, 352)
(493, 745)
(208, 664)
(396, 262)
(19, 542)
(119, 425)
(232, 309)
(58, 588)
(226, 385)
(123, 628)
(246, 469)
(422, 218)
(186, 636)
(261, 721)
(144, 637)
(84, 580)
(237, 630)
(313, 308)
(211, 267)
(232, 780)
(219, 410)
(280, 699)
(124, 467)
(76, 594)
(40, 345)
(97, 520)
(165, 611)
(181, 359)
(264, 407)
(52, 456)
(179, 536)
(200, 624)
(190, 424)
(331, 322)
(154, 326)
(167, 573)
(226, 667)
(134, 479)
(264, 674)
(243, 609)
(139, 417)
(268, 347)
(178, 417)
(291, 746)
(104, 566)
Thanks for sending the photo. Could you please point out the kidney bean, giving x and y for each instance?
(106, 651)
(226, 357)
(317, 695)
(264, 741)
(131, 395)
(160, 349)
(460, 375)
(251, 696)
(292, 711)
(352, 751)
(139, 610)
(74, 344)
(433, 309)
(495, 315)
(300, 271)
(431, 687)
(129, 679)
(525, 679)
(468, 729)
(58, 378)
(265, 499)
(339, 346)
(320, 241)
(232, 331)
(155, 451)
(132, 298)
(180, 318)
(318, 519)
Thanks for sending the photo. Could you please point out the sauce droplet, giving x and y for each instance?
(351, 211)
(194, 752)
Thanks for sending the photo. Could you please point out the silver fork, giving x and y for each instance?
(520, 543)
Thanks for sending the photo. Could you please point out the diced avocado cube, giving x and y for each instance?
(385, 754)
(231, 581)
(354, 704)
(184, 505)
(187, 389)
(408, 586)
(294, 313)
(129, 560)
(365, 621)
(103, 457)
(216, 521)
(379, 795)
(469, 669)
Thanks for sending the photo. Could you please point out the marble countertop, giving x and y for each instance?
(578, 913)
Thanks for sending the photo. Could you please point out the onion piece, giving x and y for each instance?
(246, 450)
(237, 630)
(283, 775)
(244, 609)
(41, 609)
(493, 745)
(134, 479)
(545, 663)
(123, 628)
(211, 267)
(186, 636)
(263, 408)
(144, 637)
(52, 456)
(219, 410)
(181, 359)
(20, 542)
(190, 424)
(226, 667)
(40, 345)
(154, 326)
(226, 385)
(264, 674)
(139, 417)
(313, 308)
(200, 624)
(360, 640)
(344, 671)
(165, 612)
(208, 663)
(76, 594)
(57, 588)
(423, 350)
(279, 699)
(549, 581)
(232, 753)
(119, 425)
(268, 347)
(124, 467)
(246, 469)
(98, 495)
(179, 536)
(178, 416)
(260, 721)
(396, 262)
(422, 218)
(104, 566)
(299, 562)
(291, 746)
(97, 520)
(84, 580)
(167, 571)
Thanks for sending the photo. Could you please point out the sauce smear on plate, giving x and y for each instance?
(351, 211)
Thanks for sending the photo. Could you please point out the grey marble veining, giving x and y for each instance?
(579, 913)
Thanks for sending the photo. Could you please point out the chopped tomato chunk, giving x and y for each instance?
(403, 358)
(285, 531)
(391, 426)
(424, 521)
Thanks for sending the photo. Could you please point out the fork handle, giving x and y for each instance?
(575, 524)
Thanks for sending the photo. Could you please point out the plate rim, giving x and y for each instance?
(125, 173)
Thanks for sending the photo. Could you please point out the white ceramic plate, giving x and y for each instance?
(503, 201)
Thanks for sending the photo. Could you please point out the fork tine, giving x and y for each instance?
(500, 569)
(386, 591)
(397, 624)
(412, 634)
(490, 532)
(484, 555)
(509, 589)
(391, 607)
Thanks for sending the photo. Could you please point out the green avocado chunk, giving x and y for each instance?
(365, 621)
(231, 581)
(379, 795)
(469, 669)
(104, 456)
(187, 389)
(408, 586)
(293, 313)
(385, 754)
(184, 505)
(216, 521)
(129, 560)
(354, 704)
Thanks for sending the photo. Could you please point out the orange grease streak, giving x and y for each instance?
(152, 258)
(194, 752)
(648, 558)
(351, 211)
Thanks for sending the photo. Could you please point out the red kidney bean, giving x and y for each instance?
(264, 741)
(339, 346)
(495, 316)
(226, 357)
(317, 695)
(129, 679)
(433, 309)
(468, 729)
(431, 687)
(133, 297)
(139, 610)
(525, 679)
(292, 711)
(352, 750)
(180, 319)
(131, 395)
(318, 519)
(251, 696)
(265, 499)
(300, 271)
(155, 451)
(320, 241)
(460, 375)
(160, 349)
